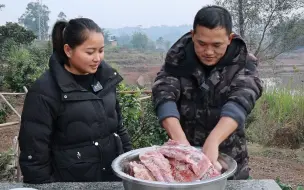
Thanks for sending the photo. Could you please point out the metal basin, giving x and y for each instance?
(121, 169)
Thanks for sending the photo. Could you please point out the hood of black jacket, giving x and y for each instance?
(181, 59)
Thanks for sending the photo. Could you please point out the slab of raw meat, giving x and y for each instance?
(139, 171)
(210, 173)
(181, 171)
(158, 165)
(199, 163)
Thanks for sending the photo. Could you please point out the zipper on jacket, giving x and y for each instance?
(110, 83)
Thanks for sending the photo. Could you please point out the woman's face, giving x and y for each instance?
(85, 58)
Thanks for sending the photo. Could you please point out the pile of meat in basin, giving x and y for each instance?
(173, 162)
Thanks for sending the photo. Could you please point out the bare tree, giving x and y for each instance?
(257, 22)
(2, 6)
(241, 18)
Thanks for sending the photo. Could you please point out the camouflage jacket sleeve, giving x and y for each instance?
(166, 88)
(246, 87)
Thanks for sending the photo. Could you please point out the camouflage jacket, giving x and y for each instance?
(200, 96)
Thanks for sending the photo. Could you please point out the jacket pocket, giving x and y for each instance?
(111, 150)
(78, 164)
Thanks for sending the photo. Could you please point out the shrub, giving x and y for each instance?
(150, 132)
(24, 67)
(6, 169)
(3, 112)
(140, 119)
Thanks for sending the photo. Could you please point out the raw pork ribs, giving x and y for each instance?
(173, 162)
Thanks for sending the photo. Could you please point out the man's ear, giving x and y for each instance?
(231, 37)
(192, 33)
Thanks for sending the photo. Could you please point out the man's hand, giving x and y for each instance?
(174, 130)
(225, 127)
(210, 149)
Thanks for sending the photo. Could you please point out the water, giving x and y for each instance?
(294, 83)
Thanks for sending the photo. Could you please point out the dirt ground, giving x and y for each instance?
(7, 133)
(265, 163)
(272, 163)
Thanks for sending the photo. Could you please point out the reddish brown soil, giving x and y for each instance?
(131, 74)
(273, 163)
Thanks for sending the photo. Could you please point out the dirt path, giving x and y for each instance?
(272, 163)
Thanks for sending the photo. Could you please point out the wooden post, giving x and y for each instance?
(9, 105)
(8, 124)
(10, 93)
(133, 92)
(15, 140)
(144, 98)
(18, 149)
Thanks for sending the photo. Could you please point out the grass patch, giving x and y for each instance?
(6, 169)
(4, 111)
(277, 119)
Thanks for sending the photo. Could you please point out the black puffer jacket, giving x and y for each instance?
(69, 133)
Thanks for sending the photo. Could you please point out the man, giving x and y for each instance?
(206, 88)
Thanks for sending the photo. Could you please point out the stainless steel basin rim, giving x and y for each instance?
(120, 162)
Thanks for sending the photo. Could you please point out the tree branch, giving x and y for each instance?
(265, 28)
(241, 18)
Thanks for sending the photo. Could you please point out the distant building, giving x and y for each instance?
(113, 41)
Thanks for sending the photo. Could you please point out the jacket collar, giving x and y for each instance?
(67, 83)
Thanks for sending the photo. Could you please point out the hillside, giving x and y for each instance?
(133, 64)
(170, 33)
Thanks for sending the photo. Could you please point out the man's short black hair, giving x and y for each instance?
(213, 16)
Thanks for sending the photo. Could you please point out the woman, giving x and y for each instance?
(71, 127)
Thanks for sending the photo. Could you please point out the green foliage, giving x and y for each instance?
(151, 133)
(5, 48)
(41, 54)
(151, 45)
(106, 35)
(24, 68)
(3, 112)
(300, 187)
(140, 120)
(6, 169)
(275, 110)
(283, 185)
(131, 109)
(30, 19)
(17, 33)
(124, 41)
(162, 44)
(140, 41)
(12, 36)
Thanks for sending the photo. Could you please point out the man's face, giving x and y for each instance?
(210, 45)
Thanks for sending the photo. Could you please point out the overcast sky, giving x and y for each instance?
(114, 13)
